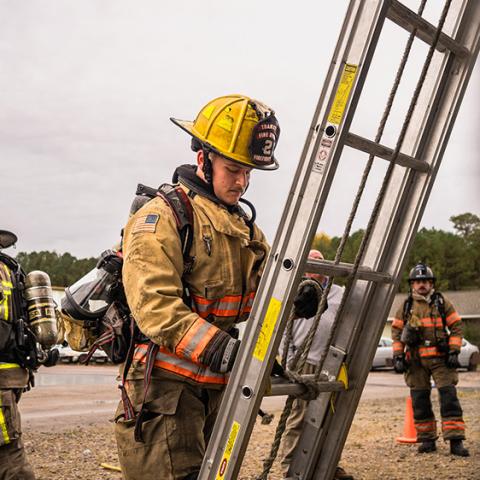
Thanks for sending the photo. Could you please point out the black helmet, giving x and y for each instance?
(421, 272)
(7, 239)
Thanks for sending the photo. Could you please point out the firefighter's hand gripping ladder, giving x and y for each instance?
(373, 278)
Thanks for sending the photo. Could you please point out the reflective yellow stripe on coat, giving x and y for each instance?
(6, 288)
(3, 425)
(5, 366)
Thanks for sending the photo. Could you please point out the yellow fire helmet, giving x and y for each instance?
(238, 128)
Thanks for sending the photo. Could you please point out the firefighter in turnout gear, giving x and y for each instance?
(427, 337)
(14, 375)
(186, 311)
(28, 331)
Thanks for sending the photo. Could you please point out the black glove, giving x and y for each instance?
(52, 358)
(277, 369)
(399, 364)
(306, 301)
(220, 353)
(452, 360)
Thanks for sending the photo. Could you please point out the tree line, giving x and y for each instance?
(63, 269)
(453, 257)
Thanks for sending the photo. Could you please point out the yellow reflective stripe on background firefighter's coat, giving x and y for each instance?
(5, 366)
(3, 425)
(5, 291)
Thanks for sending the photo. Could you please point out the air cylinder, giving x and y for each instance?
(41, 308)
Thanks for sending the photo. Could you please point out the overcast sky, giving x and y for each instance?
(87, 88)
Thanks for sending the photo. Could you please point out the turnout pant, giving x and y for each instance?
(179, 423)
(13, 460)
(418, 379)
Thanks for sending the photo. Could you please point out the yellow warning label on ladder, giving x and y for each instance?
(268, 326)
(343, 92)
(228, 451)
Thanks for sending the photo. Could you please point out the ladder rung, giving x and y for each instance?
(408, 20)
(284, 387)
(341, 269)
(367, 146)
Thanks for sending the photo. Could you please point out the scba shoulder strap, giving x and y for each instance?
(407, 307)
(439, 302)
(182, 210)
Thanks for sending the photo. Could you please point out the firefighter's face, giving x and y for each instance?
(316, 255)
(230, 180)
(422, 287)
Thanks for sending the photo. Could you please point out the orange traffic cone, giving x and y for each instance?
(409, 432)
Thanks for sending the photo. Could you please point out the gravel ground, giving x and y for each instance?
(370, 452)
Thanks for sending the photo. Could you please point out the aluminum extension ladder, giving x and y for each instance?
(376, 276)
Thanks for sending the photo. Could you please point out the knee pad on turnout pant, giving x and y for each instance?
(422, 406)
(449, 404)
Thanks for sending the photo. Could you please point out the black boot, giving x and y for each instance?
(427, 446)
(341, 474)
(191, 476)
(457, 448)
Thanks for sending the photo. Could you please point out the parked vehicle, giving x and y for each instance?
(384, 354)
(469, 356)
(67, 355)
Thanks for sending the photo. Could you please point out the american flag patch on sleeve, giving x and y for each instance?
(146, 223)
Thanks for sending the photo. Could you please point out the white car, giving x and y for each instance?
(68, 355)
(469, 356)
(384, 354)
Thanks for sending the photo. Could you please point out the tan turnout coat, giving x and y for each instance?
(222, 283)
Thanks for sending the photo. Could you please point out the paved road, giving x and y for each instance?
(74, 395)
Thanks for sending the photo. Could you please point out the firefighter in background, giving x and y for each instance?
(427, 337)
(28, 328)
(195, 336)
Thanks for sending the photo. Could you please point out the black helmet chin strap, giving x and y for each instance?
(207, 166)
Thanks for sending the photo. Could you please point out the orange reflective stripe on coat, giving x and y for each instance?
(428, 351)
(248, 302)
(429, 322)
(453, 425)
(397, 323)
(195, 340)
(455, 341)
(228, 306)
(398, 347)
(169, 362)
(453, 318)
